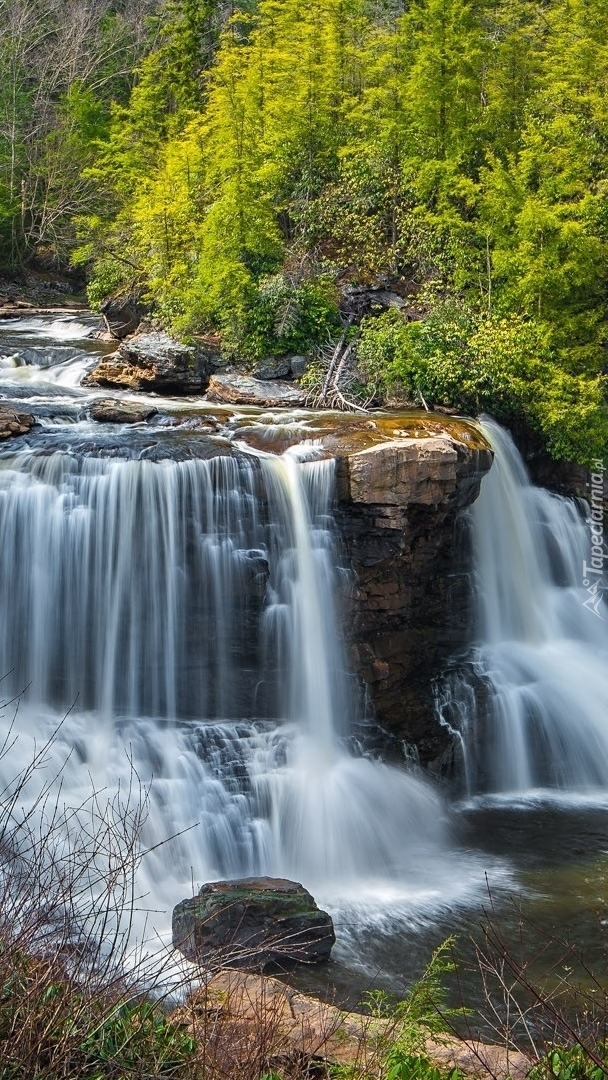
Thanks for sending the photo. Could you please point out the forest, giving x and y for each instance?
(239, 167)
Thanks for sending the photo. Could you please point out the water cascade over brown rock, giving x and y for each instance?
(400, 501)
(403, 480)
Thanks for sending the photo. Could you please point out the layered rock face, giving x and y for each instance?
(155, 362)
(400, 504)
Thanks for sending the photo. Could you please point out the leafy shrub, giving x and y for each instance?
(49, 1024)
(283, 318)
(502, 366)
(571, 1063)
(108, 278)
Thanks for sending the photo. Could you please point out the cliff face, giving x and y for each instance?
(399, 510)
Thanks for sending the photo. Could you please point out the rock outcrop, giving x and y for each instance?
(253, 923)
(13, 422)
(245, 390)
(400, 506)
(155, 362)
(243, 1020)
(272, 368)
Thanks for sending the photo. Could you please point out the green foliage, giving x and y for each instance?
(409, 1022)
(232, 161)
(286, 318)
(72, 1030)
(132, 1036)
(404, 1066)
(484, 363)
(572, 1063)
(58, 80)
(108, 279)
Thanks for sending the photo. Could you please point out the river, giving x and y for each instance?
(168, 591)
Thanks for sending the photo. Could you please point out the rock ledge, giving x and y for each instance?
(13, 422)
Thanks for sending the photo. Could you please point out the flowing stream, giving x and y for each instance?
(168, 615)
(169, 634)
(531, 706)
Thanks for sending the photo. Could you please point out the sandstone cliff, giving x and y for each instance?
(400, 520)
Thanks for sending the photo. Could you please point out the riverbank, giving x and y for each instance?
(40, 291)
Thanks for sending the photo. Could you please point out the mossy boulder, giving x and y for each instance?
(253, 923)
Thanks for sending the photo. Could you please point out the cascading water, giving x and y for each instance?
(530, 708)
(171, 615)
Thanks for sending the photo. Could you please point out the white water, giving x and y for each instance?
(51, 351)
(531, 712)
(180, 616)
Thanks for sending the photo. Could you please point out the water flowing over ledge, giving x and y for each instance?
(531, 707)
(193, 602)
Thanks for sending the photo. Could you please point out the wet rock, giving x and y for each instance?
(411, 606)
(359, 300)
(272, 368)
(155, 362)
(253, 923)
(121, 316)
(245, 390)
(113, 411)
(13, 422)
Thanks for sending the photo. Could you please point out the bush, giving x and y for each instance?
(108, 278)
(282, 318)
(482, 364)
(572, 1063)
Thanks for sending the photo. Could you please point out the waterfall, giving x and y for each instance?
(530, 705)
(138, 588)
(174, 620)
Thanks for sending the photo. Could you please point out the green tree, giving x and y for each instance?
(546, 207)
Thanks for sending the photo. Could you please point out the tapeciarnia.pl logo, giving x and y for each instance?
(593, 574)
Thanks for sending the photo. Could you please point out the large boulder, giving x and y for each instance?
(13, 422)
(245, 390)
(253, 923)
(155, 362)
(299, 365)
(272, 368)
